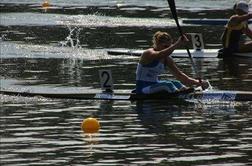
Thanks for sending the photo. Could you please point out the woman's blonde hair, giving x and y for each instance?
(160, 37)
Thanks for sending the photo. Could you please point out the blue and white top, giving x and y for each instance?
(147, 75)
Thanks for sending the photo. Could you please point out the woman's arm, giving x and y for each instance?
(236, 19)
(180, 75)
(151, 54)
(186, 80)
(248, 32)
(167, 51)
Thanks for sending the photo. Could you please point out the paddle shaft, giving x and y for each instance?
(174, 14)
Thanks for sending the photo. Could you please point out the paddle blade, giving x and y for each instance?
(174, 14)
(172, 8)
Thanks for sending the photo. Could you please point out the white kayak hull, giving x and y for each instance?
(185, 95)
(206, 53)
(205, 21)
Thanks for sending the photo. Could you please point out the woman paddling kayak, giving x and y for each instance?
(235, 28)
(152, 63)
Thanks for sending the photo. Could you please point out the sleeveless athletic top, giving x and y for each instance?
(232, 35)
(147, 75)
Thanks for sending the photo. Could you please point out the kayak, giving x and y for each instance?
(205, 21)
(184, 95)
(206, 53)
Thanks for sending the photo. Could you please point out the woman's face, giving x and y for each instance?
(165, 44)
(240, 12)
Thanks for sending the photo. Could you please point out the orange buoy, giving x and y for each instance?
(45, 4)
(90, 125)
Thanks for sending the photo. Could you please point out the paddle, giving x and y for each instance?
(174, 14)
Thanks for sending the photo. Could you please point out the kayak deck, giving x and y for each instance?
(98, 96)
(206, 53)
(205, 21)
(211, 53)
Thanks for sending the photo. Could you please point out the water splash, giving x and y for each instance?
(73, 39)
(3, 37)
(210, 86)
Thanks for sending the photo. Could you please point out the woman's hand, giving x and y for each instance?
(204, 84)
(182, 40)
(185, 38)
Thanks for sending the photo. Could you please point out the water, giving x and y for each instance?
(62, 49)
(158, 3)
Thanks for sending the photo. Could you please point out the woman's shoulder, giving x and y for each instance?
(239, 18)
(235, 20)
(148, 56)
(149, 51)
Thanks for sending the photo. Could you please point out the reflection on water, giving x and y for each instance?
(235, 71)
(153, 115)
(131, 133)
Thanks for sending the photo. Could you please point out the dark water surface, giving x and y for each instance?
(62, 50)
